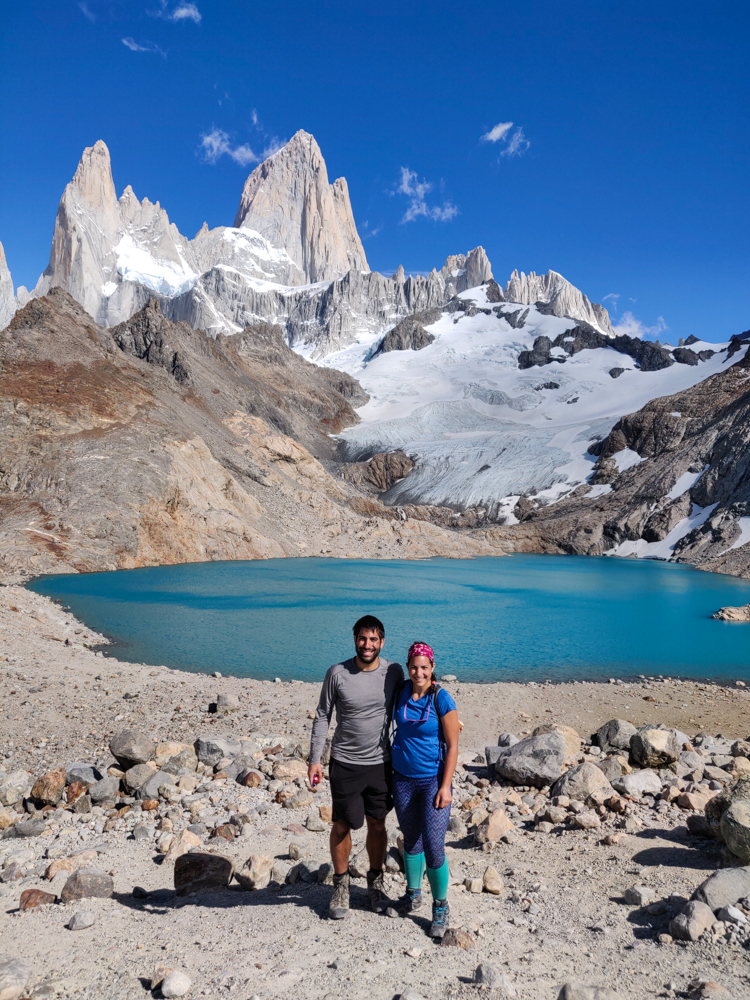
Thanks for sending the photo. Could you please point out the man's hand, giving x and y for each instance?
(313, 771)
(443, 798)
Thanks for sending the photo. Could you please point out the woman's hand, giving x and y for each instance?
(443, 798)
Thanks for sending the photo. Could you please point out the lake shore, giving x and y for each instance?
(63, 703)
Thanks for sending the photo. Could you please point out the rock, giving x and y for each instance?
(692, 800)
(731, 915)
(82, 804)
(225, 831)
(729, 614)
(694, 920)
(652, 747)
(701, 989)
(8, 817)
(724, 888)
(299, 800)
(457, 827)
(74, 791)
(160, 973)
(491, 881)
(487, 975)
(211, 749)
(326, 813)
(13, 787)
(87, 883)
(142, 832)
(14, 974)
(735, 829)
(250, 778)
(411, 994)
(580, 782)
(507, 740)
(491, 755)
(615, 735)
(638, 783)
(639, 895)
(28, 828)
(104, 790)
(614, 767)
(87, 774)
(577, 991)
(176, 984)
(457, 937)
(49, 789)
(494, 828)
(81, 920)
(11, 873)
(31, 898)
(570, 737)
(165, 751)
(135, 776)
(150, 787)
(130, 747)
(184, 841)
(535, 761)
(359, 865)
(234, 768)
(226, 703)
(256, 873)
(289, 769)
(587, 820)
(72, 863)
(315, 824)
(474, 885)
(198, 872)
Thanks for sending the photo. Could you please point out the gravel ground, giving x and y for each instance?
(561, 916)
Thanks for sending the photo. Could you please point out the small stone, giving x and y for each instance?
(699, 989)
(577, 991)
(411, 994)
(165, 842)
(359, 865)
(326, 813)
(74, 791)
(8, 817)
(615, 735)
(474, 885)
(104, 790)
(457, 937)
(638, 783)
(184, 841)
(225, 830)
(694, 920)
(49, 788)
(315, 824)
(87, 883)
(664, 938)
(29, 828)
(160, 973)
(580, 782)
(130, 747)
(725, 887)
(731, 915)
(735, 828)
(149, 805)
(14, 974)
(692, 800)
(256, 873)
(211, 749)
(587, 820)
(82, 804)
(136, 776)
(86, 774)
(226, 703)
(140, 893)
(299, 800)
(141, 832)
(289, 769)
(12, 873)
(81, 920)
(491, 881)
(176, 984)
(494, 828)
(639, 895)
(544, 827)
(250, 778)
(31, 898)
(71, 863)
(197, 872)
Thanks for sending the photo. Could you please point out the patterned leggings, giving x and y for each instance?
(423, 826)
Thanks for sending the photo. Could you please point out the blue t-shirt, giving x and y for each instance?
(416, 743)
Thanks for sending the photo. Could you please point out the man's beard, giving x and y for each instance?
(367, 656)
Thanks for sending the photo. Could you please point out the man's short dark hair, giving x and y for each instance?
(369, 622)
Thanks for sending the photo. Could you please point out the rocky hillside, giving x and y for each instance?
(670, 481)
(151, 443)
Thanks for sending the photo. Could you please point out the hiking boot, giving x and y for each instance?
(440, 913)
(339, 904)
(410, 901)
(376, 891)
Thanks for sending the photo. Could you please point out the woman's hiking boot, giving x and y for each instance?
(338, 907)
(440, 913)
(376, 891)
(410, 901)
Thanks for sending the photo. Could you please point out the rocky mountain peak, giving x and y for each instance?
(288, 200)
(7, 301)
(563, 298)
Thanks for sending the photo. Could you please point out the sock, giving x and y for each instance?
(338, 878)
(438, 879)
(414, 865)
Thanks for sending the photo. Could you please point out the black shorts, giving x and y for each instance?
(360, 790)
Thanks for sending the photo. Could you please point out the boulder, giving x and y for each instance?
(694, 920)
(211, 749)
(13, 787)
(256, 873)
(724, 888)
(14, 974)
(226, 703)
(130, 747)
(703, 989)
(570, 737)
(170, 748)
(183, 762)
(135, 776)
(507, 740)
(238, 765)
(639, 895)
(28, 827)
(86, 883)
(736, 790)
(199, 872)
(184, 841)
(31, 898)
(579, 782)
(615, 735)
(577, 991)
(289, 769)
(735, 829)
(587, 820)
(8, 817)
(638, 783)
(71, 863)
(493, 828)
(49, 788)
(250, 778)
(87, 774)
(491, 755)
(150, 788)
(491, 881)
(614, 766)
(537, 760)
(652, 747)
(104, 790)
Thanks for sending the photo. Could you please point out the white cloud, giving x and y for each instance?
(87, 12)
(517, 145)
(215, 144)
(145, 47)
(274, 145)
(498, 132)
(186, 12)
(253, 116)
(632, 327)
(416, 191)
(613, 297)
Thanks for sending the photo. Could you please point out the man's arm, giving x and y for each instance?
(320, 726)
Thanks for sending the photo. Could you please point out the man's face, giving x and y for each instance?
(368, 645)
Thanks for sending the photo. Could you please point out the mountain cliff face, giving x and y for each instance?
(7, 300)
(288, 200)
(562, 298)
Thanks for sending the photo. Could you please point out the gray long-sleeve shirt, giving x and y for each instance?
(363, 700)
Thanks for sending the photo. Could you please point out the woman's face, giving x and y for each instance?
(420, 671)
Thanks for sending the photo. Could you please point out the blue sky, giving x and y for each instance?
(606, 141)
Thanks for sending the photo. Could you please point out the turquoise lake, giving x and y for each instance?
(515, 618)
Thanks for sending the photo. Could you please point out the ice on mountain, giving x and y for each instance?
(686, 482)
(626, 459)
(664, 549)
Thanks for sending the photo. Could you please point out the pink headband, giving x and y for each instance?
(421, 649)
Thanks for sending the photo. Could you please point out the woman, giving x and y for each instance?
(424, 754)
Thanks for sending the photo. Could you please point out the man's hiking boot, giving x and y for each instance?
(376, 891)
(338, 907)
(440, 914)
(410, 901)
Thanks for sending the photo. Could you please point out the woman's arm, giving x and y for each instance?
(449, 722)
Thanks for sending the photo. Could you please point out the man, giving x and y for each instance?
(361, 690)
